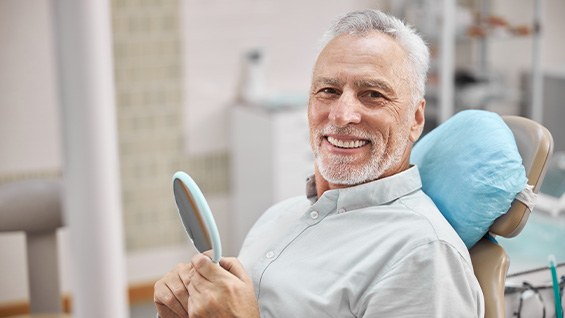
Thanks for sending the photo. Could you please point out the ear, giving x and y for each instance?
(419, 120)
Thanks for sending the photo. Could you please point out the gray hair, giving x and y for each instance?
(362, 22)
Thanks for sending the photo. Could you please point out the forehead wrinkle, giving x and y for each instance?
(328, 81)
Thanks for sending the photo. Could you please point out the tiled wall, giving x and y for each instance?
(149, 105)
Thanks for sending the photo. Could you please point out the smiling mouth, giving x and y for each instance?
(346, 144)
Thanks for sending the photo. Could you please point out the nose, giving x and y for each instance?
(345, 111)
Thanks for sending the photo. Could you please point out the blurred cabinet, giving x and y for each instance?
(461, 34)
(270, 161)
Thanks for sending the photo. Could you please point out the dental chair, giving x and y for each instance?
(34, 207)
(490, 262)
(479, 168)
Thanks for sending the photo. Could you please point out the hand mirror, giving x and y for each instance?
(196, 215)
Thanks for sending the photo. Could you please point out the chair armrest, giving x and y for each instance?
(490, 264)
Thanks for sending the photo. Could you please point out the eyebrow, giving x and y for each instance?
(328, 81)
(379, 84)
(362, 83)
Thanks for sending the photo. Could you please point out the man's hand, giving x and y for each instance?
(171, 293)
(225, 291)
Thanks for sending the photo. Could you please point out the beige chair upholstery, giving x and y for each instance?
(490, 262)
(34, 207)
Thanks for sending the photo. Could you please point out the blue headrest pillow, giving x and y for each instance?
(471, 168)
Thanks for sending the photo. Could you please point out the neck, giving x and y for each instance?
(323, 185)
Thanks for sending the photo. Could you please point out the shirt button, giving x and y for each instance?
(342, 210)
(314, 214)
(270, 254)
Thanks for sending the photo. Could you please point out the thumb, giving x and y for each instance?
(205, 267)
(234, 266)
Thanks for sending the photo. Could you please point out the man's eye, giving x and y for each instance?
(374, 94)
(328, 91)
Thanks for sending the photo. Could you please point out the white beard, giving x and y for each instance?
(338, 169)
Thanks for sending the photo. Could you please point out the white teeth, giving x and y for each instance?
(347, 144)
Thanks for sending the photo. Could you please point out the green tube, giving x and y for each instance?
(555, 283)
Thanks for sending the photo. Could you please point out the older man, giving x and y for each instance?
(365, 241)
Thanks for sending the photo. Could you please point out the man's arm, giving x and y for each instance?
(434, 280)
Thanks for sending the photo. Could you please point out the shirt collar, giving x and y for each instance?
(373, 193)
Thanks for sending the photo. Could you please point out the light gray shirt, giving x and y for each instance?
(380, 249)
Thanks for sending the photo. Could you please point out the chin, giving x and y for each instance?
(344, 174)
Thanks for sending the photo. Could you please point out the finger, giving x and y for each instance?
(201, 284)
(185, 274)
(193, 290)
(194, 303)
(209, 253)
(165, 312)
(234, 266)
(176, 285)
(164, 296)
(204, 266)
(178, 288)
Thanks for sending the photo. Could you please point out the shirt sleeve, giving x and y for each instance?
(433, 280)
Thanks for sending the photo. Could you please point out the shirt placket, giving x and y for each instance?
(312, 217)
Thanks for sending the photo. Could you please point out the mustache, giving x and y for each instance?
(347, 130)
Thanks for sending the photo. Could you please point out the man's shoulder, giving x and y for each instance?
(290, 208)
(293, 203)
(290, 203)
(431, 220)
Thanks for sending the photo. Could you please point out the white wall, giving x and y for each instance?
(217, 33)
(29, 115)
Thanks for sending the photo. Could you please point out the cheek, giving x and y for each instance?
(316, 116)
(312, 126)
(399, 136)
(382, 122)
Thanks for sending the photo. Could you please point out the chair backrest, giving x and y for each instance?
(34, 207)
(490, 262)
